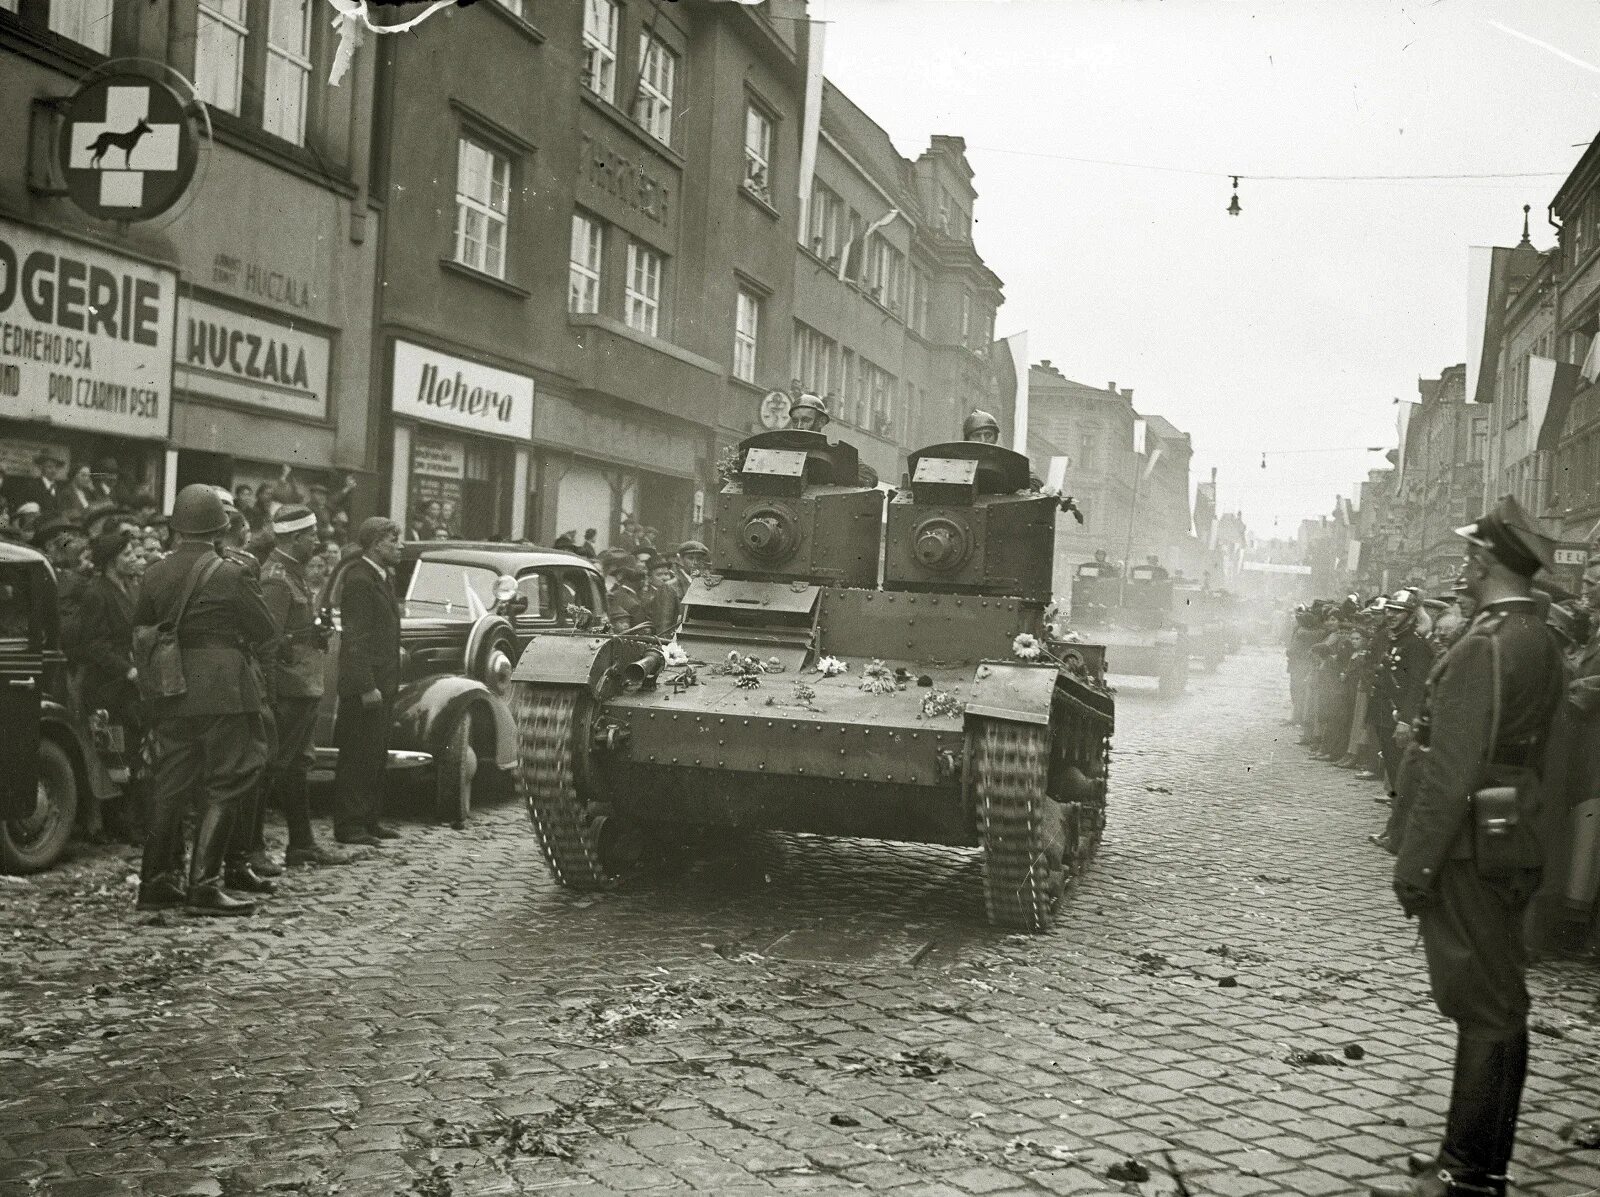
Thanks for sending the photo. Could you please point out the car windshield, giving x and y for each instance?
(442, 589)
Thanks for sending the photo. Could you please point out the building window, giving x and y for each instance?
(758, 152)
(583, 267)
(600, 47)
(917, 302)
(827, 218)
(288, 68)
(746, 328)
(642, 298)
(658, 71)
(814, 360)
(483, 186)
(1088, 452)
(219, 53)
(885, 273)
(87, 22)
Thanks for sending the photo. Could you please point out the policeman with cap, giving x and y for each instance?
(208, 740)
(1486, 712)
(809, 413)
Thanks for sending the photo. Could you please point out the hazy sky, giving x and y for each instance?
(1294, 325)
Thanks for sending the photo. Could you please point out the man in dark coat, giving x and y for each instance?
(369, 677)
(298, 665)
(1486, 713)
(208, 740)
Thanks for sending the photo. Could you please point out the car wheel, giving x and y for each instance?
(455, 771)
(35, 843)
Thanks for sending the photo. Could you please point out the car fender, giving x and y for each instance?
(55, 720)
(426, 711)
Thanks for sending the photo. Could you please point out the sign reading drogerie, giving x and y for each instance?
(85, 336)
(126, 147)
(244, 359)
(439, 388)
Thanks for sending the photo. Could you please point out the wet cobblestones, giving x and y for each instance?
(441, 1019)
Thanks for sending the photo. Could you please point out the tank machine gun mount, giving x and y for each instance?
(940, 729)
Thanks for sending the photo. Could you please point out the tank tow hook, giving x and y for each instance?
(611, 737)
(949, 764)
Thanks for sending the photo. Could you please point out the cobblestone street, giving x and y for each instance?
(793, 1014)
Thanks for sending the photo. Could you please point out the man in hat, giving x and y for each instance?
(369, 679)
(299, 663)
(625, 606)
(63, 542)
(208, 740)
(47, 488)
(662, 603)
(693, 559)
(1486, 712)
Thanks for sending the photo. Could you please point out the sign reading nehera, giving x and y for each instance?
(85, 336)
(439, 388)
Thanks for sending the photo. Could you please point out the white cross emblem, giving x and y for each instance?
(124, 146)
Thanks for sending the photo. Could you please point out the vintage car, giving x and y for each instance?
(48, 754)
(466, 612)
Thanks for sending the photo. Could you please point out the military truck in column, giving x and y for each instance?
(856, 665)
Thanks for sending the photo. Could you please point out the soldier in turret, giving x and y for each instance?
(810, 414)
(982, 427)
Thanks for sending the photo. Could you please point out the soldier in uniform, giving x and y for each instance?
(810, 414)
(982, 427)
(248, 866)
(1486, 711)
(299, 665)
(208, 741)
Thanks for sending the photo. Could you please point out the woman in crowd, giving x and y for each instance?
(106, 620)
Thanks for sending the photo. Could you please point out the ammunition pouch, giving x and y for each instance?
(1504, 843)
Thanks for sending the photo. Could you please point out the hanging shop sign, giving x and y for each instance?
(439, 388)
(85, 336)
(126, 147)
(242, 359)
(775, 410)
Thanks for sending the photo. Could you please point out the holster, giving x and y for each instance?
(1504, 819)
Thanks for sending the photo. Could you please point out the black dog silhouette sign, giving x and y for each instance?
(126, 147)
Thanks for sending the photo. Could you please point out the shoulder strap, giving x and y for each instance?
(1494, 682)
(203, 569)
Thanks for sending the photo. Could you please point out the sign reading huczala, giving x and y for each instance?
(85, 336)
(438, 388)
(241, 358)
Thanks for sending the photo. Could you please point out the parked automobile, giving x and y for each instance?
(467, 610)
(48, 753)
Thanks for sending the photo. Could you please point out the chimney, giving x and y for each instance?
(1112, 387)
(1044, 363)
(1127, 394)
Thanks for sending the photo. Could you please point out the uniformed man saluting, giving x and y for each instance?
(1486, 711)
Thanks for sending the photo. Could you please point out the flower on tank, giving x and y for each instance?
(1026, 646)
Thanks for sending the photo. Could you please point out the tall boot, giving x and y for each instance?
(1514, 1071)
(1486, 1079)
(206, 864)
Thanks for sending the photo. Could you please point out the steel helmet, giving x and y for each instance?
(977, 419)
(197, 511)
(813, 402)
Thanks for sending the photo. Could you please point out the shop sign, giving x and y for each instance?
(243, 359)
(85, 336)
(126, 147)
(602, 167)
(438, 459)
(438, 388)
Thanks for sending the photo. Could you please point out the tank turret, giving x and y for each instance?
(794, 510)
(970, 524)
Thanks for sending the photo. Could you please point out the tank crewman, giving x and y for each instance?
(1486, 712)
(299, 664)
(982, 427)
(208, 741)
(663, 605)
(625, 605)
(1158, 572)
(369, 679)
(248, 866)
(810, 414)
(692, 560)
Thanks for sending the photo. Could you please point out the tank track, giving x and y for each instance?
(568, 830)
(1022, 830)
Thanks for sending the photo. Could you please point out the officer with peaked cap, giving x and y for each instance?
(1486, 712)
(208, 742)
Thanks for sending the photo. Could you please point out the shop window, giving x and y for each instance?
(583, 267)
(658, 71)
(758, 152)
(600, 48)
(746, 328)
(483, 187)
(87, 22)
(288, 69)
(219, 53)
(642, 298)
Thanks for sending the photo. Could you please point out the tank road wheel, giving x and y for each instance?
(1026, 854)
(551, 745)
